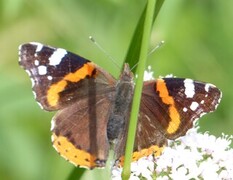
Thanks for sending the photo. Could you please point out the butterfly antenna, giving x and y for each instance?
(134, 66)
(156, 47)
(151, 52)
(105, 52)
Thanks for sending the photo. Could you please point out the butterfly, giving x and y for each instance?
(94, 107)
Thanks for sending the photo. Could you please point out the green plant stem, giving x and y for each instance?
(138, 88)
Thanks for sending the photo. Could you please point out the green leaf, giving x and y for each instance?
(132, 55)
(76, 173)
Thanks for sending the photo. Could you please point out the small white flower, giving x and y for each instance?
(148, 74)
(179, 173)
(209, 169)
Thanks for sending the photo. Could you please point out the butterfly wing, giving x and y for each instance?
(168, 109)
(83, 94)
(79, 132)
(60, 78)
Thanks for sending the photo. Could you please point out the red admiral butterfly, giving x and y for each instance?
(94, 107)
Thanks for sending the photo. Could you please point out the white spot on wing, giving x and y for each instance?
(189, 88)
(33, 82)
(185, 109)
(28, 72)
(50, 78)
(207, 87)
(34, 94)
(40, 105)
(52, 124)
(42, 70)
(194, 106)
(57, 56)
(39, 46)
(52, 138)
(202, 114)
(20, 47)
(220, 97)
(202, 101)
(36, 62)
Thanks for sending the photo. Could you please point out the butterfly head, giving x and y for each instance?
(126, 74)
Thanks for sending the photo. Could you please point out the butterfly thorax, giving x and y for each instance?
(119, 114)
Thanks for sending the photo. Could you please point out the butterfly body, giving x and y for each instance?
(117, 121)
(94, 108)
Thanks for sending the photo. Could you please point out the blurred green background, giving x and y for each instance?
(198, 39)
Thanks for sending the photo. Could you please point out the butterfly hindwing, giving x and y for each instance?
(80, 132)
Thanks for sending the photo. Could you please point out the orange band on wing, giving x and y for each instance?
(76, 156)
(173, 113)
(152, 150)
(53, 92)
(86, 70)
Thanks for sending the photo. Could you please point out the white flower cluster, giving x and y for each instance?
(194, 156)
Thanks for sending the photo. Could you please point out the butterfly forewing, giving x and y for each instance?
(171, 105)
(59, 77)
